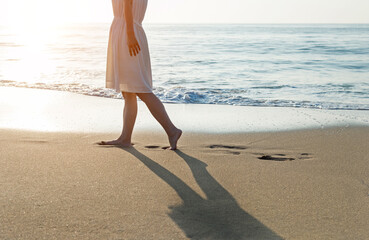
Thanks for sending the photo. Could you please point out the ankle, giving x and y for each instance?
(124, 139)
(173, 131)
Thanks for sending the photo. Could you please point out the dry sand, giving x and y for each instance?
(311, 184)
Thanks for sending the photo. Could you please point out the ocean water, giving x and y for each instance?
(286, 65)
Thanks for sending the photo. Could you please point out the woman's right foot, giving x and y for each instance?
(173, 139)
(117, 142)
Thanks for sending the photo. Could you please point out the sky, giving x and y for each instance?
(189, 11)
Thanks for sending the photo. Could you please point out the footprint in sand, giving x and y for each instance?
(304, 156)
(156, 147)
(227, 148)
(283, 157)
(35, 141)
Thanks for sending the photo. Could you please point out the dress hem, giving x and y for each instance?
(125, 88)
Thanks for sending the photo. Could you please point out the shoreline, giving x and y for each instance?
(56, 111)
(83, 89)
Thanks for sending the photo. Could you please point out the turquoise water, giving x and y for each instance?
(313, 66)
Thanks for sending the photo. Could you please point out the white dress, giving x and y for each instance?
(125, 72)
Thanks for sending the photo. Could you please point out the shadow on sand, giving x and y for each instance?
(216, 217)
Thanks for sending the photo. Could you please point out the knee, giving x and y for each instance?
(129, 96)
(143, 96)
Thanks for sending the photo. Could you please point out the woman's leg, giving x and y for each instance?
(129, 119)
(157, 109)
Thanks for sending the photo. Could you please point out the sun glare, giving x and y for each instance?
(29, 61)
(33, 25)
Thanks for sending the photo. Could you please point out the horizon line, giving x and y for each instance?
(214, 23)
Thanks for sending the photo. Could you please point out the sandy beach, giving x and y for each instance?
(286, 182)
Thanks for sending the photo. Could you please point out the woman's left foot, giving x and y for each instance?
(115, 143)
(174, 139)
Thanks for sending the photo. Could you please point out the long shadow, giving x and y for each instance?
(218, 216)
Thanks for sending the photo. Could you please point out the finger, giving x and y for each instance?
(134, 51)
(137, 49)
(139, 46)
(130, 51)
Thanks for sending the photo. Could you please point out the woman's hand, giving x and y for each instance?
(133, 46)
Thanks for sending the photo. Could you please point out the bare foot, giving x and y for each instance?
(174, 139)
(117, 142)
